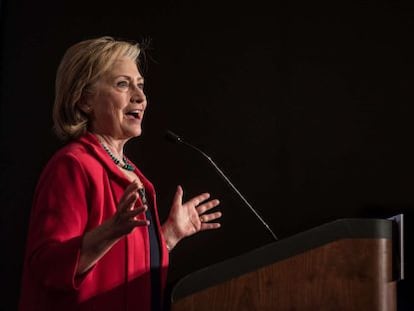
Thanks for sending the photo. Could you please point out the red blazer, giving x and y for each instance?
(77, 191)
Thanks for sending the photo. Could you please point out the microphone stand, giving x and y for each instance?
(175, 138)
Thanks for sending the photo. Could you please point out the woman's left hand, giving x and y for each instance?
(188, 218)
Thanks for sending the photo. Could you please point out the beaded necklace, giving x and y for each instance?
(126, 166)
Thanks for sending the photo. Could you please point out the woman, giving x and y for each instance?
(95, 241)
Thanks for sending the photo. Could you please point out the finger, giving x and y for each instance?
(139, 222)
(132, 188)
(198, 199)
(178, 197)
(207, 206)
(134, 212)
(129, 219)
(128, 202)
(209, 226)
(133, 223)
(210, 217)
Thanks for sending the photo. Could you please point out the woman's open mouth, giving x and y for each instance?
(133, 114)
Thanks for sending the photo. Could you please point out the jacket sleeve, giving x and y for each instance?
(58, 221)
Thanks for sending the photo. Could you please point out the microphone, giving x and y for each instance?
(169, 135)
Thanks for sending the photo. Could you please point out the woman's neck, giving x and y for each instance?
(115, 145)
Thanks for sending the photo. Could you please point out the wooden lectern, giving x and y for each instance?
(343, 265)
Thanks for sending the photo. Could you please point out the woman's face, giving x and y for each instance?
(118, 102)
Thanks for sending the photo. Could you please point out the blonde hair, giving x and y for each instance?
(82, 65)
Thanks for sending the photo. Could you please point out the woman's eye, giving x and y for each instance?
(122, 84)
(141, 86)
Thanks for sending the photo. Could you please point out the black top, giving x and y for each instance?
(155, 256)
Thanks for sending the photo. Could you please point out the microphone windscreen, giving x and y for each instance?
(172, 137)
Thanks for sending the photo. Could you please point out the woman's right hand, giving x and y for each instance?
(125, 218)
(98, 241)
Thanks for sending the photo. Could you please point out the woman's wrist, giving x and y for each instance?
(95, 244)
(170, 236)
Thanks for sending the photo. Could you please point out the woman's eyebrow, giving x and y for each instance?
(128, 77)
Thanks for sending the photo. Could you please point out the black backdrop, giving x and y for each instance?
(307, 106)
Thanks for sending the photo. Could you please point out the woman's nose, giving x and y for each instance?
(137, 99)
(137, 96)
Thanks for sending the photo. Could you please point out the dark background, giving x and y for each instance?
(307, 106)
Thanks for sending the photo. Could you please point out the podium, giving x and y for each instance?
(347, 264)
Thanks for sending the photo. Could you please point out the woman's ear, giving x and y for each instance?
(84, 106)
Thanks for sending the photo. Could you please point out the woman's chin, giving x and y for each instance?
(133, 128)
(135, 132)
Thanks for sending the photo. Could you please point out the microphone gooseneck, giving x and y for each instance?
(177, 139)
